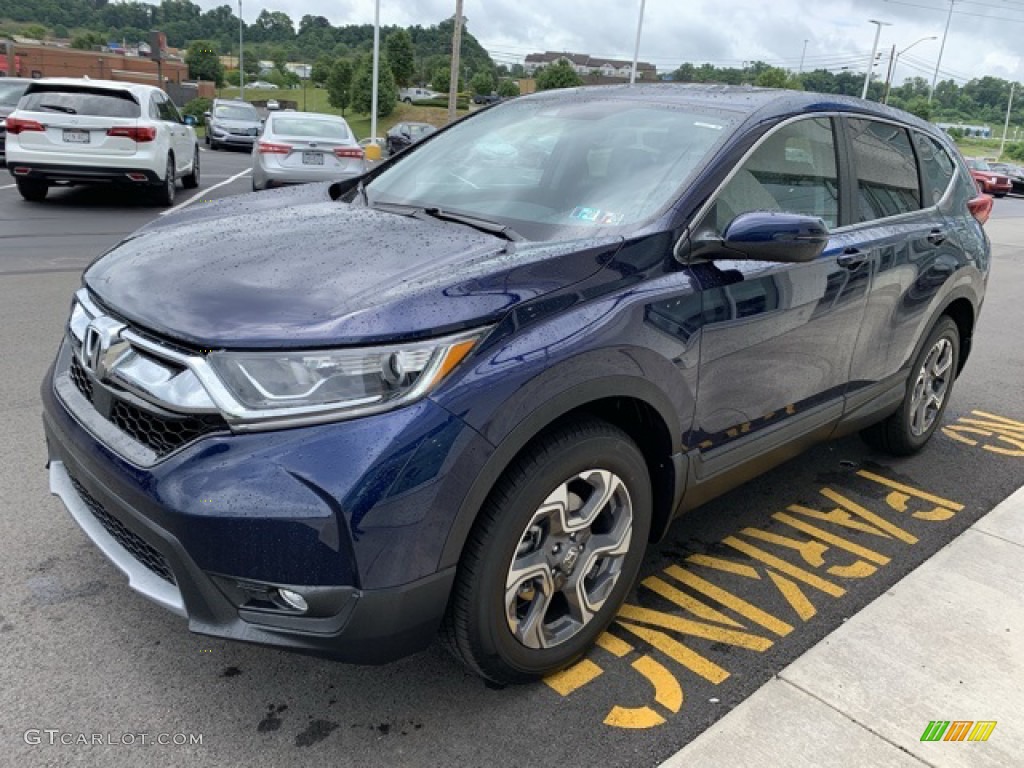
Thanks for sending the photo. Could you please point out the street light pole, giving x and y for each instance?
(241, 67)
(636, 48)
(895, 60)
(874, 50)
(942, 48)
(1006, 125)
(802, 57)
(376, 69)
(453, 75)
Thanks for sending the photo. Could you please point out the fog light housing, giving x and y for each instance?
(293, 599)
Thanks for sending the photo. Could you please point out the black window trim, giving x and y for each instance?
(901, 216)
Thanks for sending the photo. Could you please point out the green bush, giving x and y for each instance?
(196, 108)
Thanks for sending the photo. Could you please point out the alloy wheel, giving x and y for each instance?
(931, 387)
(568, 559)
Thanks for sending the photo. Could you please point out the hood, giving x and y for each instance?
(228, 124)
(295, 269)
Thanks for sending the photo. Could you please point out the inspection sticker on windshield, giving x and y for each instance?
(596, 215)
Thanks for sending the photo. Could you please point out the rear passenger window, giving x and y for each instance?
(936, 167)
(793, 170)
(887, 179)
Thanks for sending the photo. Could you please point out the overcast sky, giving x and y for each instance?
(984, 36)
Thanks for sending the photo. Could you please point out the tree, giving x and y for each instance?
(919, 106)
(35, 31)
(401, 56)
(362, 87)
(321, 69)
(87, 41)
(558, 75)
(482, 83)
(508, 88)
(441, 80)
(339, 85)
(204, 63)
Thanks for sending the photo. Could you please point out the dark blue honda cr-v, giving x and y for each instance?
(467, 389)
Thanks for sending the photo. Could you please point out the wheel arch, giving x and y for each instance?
(633, 405)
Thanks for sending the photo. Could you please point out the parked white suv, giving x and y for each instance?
(81, 131)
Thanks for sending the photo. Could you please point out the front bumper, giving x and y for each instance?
(353, 516)
(233, 140)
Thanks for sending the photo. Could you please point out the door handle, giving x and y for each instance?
(936, 237)
(851, 258)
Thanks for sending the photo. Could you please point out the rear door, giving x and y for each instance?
(778, 338)
(900, 179)
(78, 120)
(181, 138)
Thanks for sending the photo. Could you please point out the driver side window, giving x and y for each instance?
(792, 171)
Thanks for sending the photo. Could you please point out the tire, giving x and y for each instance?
(928, 391)
(165, 193)
(214, 145)
(407, 100)
(256, 187)
(999, 194)
(515, 627)
(206, 139)
(191, 180)
(33, 191)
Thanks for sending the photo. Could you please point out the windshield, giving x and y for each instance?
(557, 169)
(236, 112)
(11, 92)
(313, 127)
(979, 165)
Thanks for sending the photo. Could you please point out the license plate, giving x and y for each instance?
(76, 137)
(312, 158)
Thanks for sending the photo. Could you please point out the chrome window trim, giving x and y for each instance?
(677, 250)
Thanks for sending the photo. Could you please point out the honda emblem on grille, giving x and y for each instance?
(101, 345)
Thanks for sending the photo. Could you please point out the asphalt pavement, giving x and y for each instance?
(93, 674)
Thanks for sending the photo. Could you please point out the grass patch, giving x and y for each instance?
(316, 101)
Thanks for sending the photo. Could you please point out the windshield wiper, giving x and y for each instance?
(483, 225)
(59, 108)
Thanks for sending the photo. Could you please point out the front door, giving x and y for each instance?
(778, 339)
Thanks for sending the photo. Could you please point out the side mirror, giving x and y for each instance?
(190, 120)
(768, 236)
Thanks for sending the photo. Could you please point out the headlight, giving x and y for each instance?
(343, 383)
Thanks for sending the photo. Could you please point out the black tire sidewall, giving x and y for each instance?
(945, 327)
(494, 639)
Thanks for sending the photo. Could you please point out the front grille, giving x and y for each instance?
(139, 549)
(161, 434)
(80, 379)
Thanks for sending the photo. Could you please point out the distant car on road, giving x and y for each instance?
(272, 105)
(76, 131)
(11, 89)
(232, 123)
(262, 85)
(403, 135)
(300, 147)
(409, 95)
(486, 98)
(1014, 172)
(989, 181)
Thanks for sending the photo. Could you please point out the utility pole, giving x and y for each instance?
(874, 50)
(942, 48)
(453, 85)
(636, 48)
(1006, 125)
(241, 68)
(802, 57)
(376, 69)
(888, 75)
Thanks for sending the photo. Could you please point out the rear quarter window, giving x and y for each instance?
(81, 101)
(887, 177)
(937, 167)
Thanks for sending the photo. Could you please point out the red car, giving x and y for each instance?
(989, 182)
